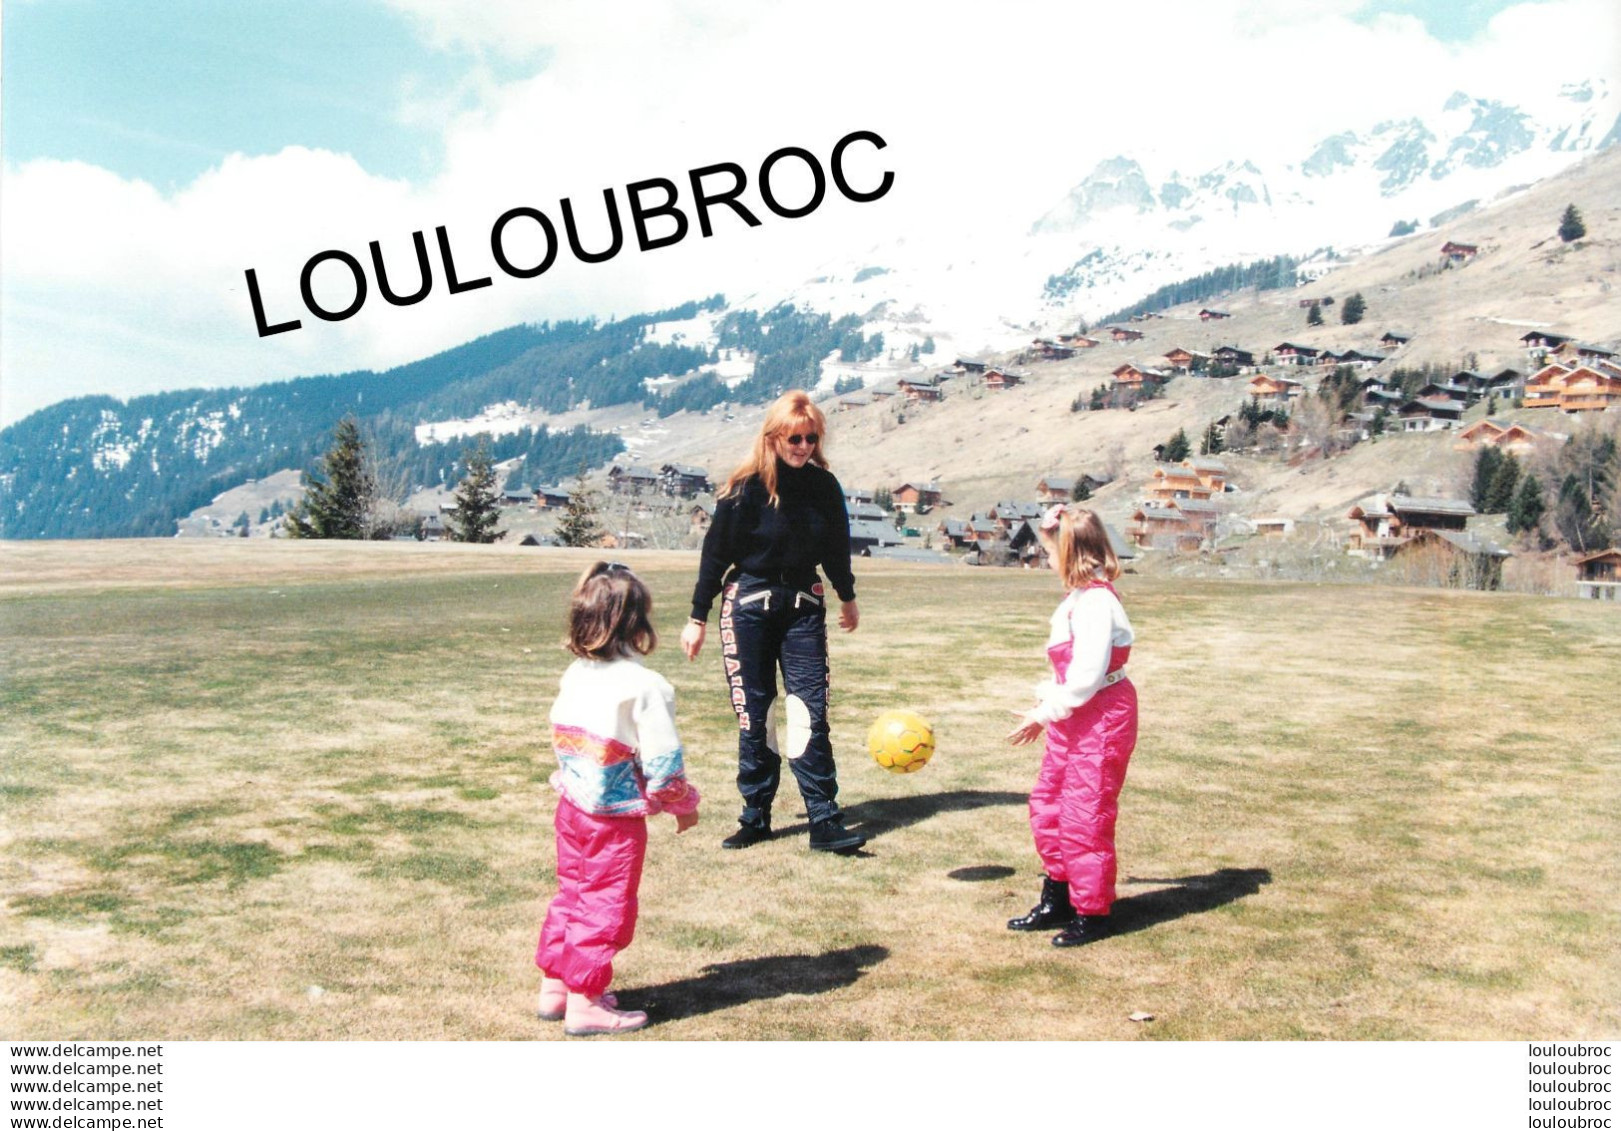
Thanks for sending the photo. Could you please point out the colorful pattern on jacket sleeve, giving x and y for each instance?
(599, 775)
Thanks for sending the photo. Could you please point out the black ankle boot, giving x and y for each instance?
(1082, 930)
(830, 835)
(1054, 910)
(747, 835)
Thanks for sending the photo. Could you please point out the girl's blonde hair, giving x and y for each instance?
(792, 412)
(610, 614)
(1079, 546)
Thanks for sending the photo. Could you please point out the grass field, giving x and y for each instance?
(298, 791)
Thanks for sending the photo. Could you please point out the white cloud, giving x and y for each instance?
(111, 285)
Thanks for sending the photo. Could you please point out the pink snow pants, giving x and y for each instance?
(1077, 795)
(593, 916)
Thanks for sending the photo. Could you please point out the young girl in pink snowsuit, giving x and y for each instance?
(619, 760)
(1089, 711)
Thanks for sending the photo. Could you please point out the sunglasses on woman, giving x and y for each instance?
(796, 439)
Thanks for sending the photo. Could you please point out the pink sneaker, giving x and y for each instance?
(554, 999)
(591, 1017)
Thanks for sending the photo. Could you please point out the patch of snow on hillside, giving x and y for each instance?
(698, 331)
(734, 367)
(497, 420)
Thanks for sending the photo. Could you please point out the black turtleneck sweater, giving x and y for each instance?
(808, 528)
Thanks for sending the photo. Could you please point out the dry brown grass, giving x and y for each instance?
(297, 792)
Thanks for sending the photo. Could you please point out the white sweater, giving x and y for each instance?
(1097, 622)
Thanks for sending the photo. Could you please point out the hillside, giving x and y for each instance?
(986, 446)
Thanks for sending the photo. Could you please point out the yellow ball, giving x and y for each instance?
(901, 742)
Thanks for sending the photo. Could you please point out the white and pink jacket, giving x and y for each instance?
(618, 753)
(1093, 623)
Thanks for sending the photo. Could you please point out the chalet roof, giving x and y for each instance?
(1432, 404)
(1393, 336)
(1019, 510)
(879, 532)
(1195, 506)
(1362, 355)
(1207, 464)
(1296, 347)
(1429, 505)
(1057, 482)
(931, 485)
(1544, 336)
(864, 511)
(1599, 555)
(633, 471)
(953, 527)
(1594, 351)
(517, 492)
(685, 469)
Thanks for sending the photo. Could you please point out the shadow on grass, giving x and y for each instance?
(886, 814)
(724, 985)
(1187, 895)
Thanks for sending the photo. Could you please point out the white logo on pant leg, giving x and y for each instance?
(799, 726)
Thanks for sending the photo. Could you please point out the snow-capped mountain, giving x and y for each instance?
(1132, 225)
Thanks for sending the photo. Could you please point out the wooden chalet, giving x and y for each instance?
(1125, 334)
(1176, 482)
(1273, 390)
(1446, 390)
(1454, 252)
(1180, 524)
(1002, 379)
(1293, 353)
(1387, 521)
(1543, 387)
(1055, 488)
(1453, 558)
(969, 365)
(1360, 359)
(954, 531)
(517, 496)
(1133, 377)
(1272, 525)
(864, 512)
(1430, 414)
(632, 480)
(919, 392)
(1540, 341)
(700, 516)
(683, 480)
(1598, 576)
(1392, 340)
(1208, 315)
(851, 401)
(1234, 357)
(1590, 389)
(552, 498)
(1506, 383)
(859, 495)
(1049, 350)
(1579, 352)
(1079, 341)
(1516, 438)
(1187, 361)
(910, 497)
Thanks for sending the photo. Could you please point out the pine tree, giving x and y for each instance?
(1212, 444)
(1487, 461)
(1526, 511)
(1178, 448)
(1081, 491)
(1571, 226)
(578, 526)
(1314, 315)
(339, 505)
(1500, 492)
(478, 510)
(1353, 310)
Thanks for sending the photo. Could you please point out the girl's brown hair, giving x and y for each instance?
(610, 614)
(792, 412)
(1080, 549)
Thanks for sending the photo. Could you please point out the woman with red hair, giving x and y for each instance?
(779, 516)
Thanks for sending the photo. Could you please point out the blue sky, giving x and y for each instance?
(163, 91)
(153, 151)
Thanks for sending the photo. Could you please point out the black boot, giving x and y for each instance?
(1054, 910)
(831, 836)
(747, 835)
(1082, 930)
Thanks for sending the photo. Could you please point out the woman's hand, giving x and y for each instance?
(1028, 732)
(849, 616)
(692, 638)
